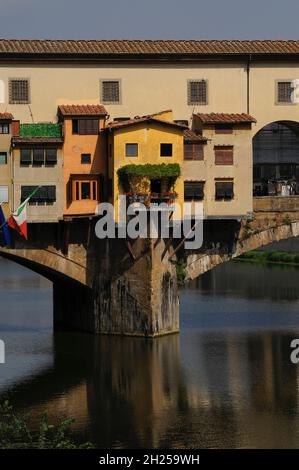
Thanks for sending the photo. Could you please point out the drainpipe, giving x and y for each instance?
(248, 83)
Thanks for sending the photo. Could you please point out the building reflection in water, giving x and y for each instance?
(220, 383)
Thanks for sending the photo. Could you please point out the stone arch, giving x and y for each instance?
(198, 264)
(48, 263)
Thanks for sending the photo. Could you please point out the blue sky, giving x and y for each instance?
(140, 19)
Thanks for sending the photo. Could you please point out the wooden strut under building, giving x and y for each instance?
(183, 241)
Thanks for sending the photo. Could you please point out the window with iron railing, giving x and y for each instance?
(19, 91)
(197, 92)
(284, 92)
(110, 91)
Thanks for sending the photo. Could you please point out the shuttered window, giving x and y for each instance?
(284, 92)
(45, 194)
(193, 152)
(4, 128)
(38, 156)
(223, 128)
(193, 190)
(224, 155)
(19, 92)
(25, 156)
(197, 92)
(88, 126)
(51, 156)
(110, 91)
(224, 190)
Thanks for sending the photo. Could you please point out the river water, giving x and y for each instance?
(225, 381)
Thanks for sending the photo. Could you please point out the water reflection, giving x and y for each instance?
(225, 381)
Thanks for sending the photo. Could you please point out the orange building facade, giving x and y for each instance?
(85, 157)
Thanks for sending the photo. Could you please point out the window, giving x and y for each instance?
(19, 91)
(224, 190)
(257, 173)
(25, 156)
(51, 156)
(38, 156)
(85, 158)
(45, 194)
(131, 150)
(284, 92)
(197, 92)
(75, 126)
(3, 193)
(194, 190)
(193, 152)
(166, 150)
(4, 128)
(110, 91)
(85, 126)
(223, 128)
(224, 155)
(85, 190)
(3, 158)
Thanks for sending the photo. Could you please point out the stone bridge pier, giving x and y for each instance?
(129, 292)
(129, 287)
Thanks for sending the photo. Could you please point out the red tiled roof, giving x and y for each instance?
(191, 136)
(184, 47)
(36, 140)
(141, 119)
(7, 116)
(214, 118)
(82, 110)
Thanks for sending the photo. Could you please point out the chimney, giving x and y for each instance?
(15, 128)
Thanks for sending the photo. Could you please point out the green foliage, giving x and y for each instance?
(286, 220)
(180, 271)
(153, 171)
(40, 130)
(271, 256)
(167, 277)
(15, 433)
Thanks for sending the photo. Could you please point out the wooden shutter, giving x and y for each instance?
(224, 156)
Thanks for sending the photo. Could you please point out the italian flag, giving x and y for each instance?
(18, 219)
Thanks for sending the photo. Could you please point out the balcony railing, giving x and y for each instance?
(151, 199)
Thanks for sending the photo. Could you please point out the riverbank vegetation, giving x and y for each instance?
(16, 433)
(270, 256)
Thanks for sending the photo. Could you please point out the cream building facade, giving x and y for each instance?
(132, 78)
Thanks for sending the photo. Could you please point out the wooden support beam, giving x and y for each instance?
(182, 241)
(130, 251)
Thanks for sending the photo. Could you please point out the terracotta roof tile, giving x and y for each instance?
(140, 119)
(214, 118)
(191, 136)
(183, 47)
(7, 116)
(82, 110)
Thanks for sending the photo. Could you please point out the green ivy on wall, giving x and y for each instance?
(152, 171)
(40, 130)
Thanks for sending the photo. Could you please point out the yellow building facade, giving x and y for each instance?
(150, 140)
